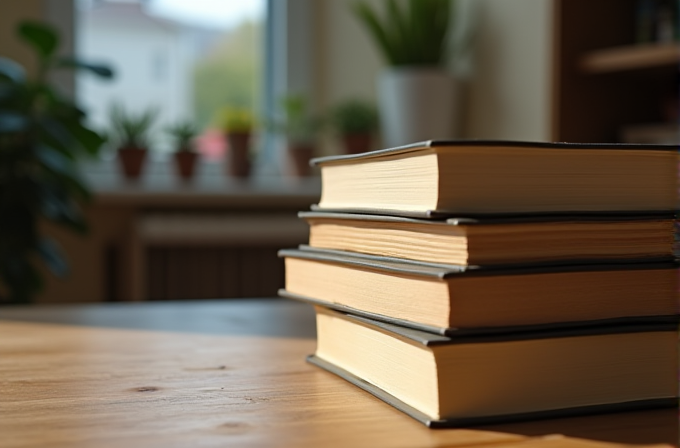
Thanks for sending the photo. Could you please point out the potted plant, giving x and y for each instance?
(43, 136)
(237, 125)
(185, 156)
(130, 132)
(416, 93)
(355, 121)
(301, 129)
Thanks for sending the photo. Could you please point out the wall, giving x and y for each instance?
(509, 92)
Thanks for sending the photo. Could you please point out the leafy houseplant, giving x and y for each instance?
(355, 121)
(237, 125)
(42, 138)
(301, 129)
(417, 97)
(411, 33)
(130, 132)
(185, 157)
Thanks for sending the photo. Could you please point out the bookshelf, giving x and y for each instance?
(631, 57)
(603, 81)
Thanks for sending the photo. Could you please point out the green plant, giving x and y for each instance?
(129, 129)
(299, 125)
(236, 120)
(183, 133)
(355, 116)
(410, 32)
(42, 138)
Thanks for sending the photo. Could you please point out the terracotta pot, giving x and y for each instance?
(299, 155)
(185, 164)
(357, 143)
(132, 159)
(239, 154)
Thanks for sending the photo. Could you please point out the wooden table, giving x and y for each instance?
(217, 373)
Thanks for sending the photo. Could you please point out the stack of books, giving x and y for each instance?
(483, 281)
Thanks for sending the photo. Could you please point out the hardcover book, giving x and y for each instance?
(443, 381)
(497, 241)
(450, 299)
(480, 177)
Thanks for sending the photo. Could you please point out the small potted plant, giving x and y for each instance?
(185, 156)
(355, 121)
(301, 129)
(417, 96)
(237, 125)
(130, 133)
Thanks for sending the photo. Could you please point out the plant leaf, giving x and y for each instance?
(53, 257)
(43, 38)
(397, 20)
(89, 140)
(12, 71)
(103, 71)
(11, 122)
(57, 207)
(370, 19)
(64, 170)
(413, 32)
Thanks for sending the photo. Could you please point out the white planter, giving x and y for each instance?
(417, 104)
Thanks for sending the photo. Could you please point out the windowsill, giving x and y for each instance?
(160, 186)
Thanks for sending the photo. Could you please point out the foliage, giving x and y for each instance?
(410, 32)
(299, 125)
(129, 129)
(230, 73)
(184, 133)
(236, 120)
(42, 137)
(355, 116)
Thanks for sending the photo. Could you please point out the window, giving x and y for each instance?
(187, 60)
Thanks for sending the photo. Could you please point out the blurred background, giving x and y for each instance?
(222, 104)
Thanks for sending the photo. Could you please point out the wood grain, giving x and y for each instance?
(72, 386)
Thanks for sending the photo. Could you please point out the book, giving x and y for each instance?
(443, 381)
(494, 177)
(497, 241)
(453, 299)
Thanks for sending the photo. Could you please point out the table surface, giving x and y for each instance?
(216, 373)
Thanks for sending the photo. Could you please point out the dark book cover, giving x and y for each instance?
(487, 216)
(491, 219)
(444, 271)
(419, 146)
